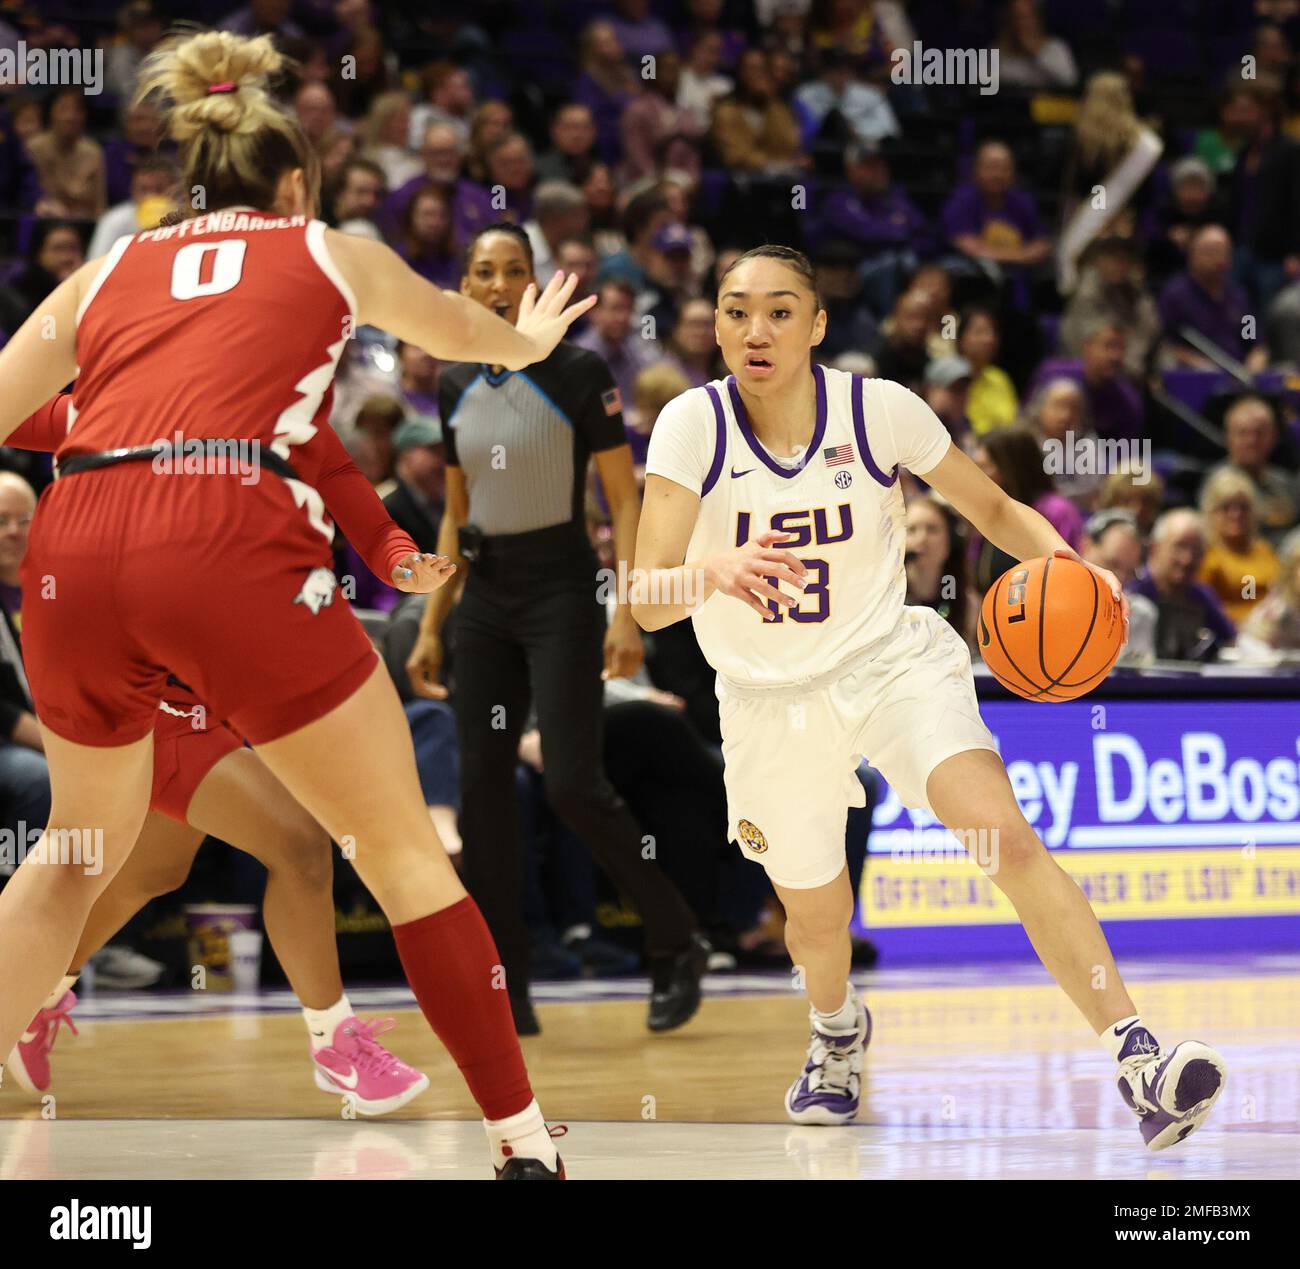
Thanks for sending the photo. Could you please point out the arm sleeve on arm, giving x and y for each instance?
(354, 505)
(911, 436)
(684, 441)
(46, 429)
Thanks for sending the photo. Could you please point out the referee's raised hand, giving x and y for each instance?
(544, 319)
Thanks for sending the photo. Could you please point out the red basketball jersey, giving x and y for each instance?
(227, 325)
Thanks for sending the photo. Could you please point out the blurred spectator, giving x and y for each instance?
(577, 255)
(1027, 56)
(1011, 458)
(379, 418)
(753, 129)
(602, 211)
(671, 276)
(573, 143)
(69, 165)
(141, 139)
(559, 212)
(946, 388)
(701, 84)
(1250, 429)
(418, 386)
(640, 32)
(936, 564)
(606, 85)
(1190, 624)
(706, 16)
(448, 99)
(264, 17)
(900, 352)
(1275, 623)
(852, 27)
(1239, 565)
(153, 193)
(990, 219)
(1192, 201)
(492, 121)
(141, 27)
(644, 216)
(24, 775)
(1057, 415)
(335, 149)
(55, 254)
(1113, 541)
(837, 93)
(420, 469)
(1141, 493)
(1219, 147)
(427, 241)
(362, 70)
(1111, 290)
(881, 220)
(850, 327)
(1265, 202)
(932, 283)
(443, 158)
(360, 196)
(387, 127)
(1113, 151)
(510, 174)
(657, 132)
(313, 103)
(1114, 401)
(615, 336)
(693, 347)
(654, 387)
(1205, 299)
(992, 401)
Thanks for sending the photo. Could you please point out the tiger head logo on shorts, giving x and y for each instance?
(751, 837)
(318, 590)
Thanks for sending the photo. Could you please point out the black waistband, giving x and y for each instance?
(563, 541)
(214, 448)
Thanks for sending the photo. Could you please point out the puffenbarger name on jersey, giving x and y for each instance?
(221, 222)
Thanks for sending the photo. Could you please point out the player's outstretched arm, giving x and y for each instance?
(666, 587)
(1015, 528)
(393, 297)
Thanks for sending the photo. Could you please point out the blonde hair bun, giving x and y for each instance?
(182, 71)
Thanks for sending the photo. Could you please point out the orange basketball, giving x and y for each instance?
(1050, 630)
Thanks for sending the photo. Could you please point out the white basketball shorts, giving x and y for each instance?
(905, 703)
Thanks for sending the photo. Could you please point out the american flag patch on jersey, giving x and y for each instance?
(837, 455)
(612, 401)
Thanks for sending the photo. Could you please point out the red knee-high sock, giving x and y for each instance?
(451, 962)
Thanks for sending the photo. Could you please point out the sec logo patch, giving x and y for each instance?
(751, 837)
(843, 480)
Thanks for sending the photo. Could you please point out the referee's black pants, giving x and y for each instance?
(532, 627)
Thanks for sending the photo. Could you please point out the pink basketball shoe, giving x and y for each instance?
(356, 1065)
(30, 1059)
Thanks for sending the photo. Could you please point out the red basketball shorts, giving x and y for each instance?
(130, 575)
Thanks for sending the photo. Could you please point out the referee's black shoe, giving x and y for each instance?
(521, 1010)
(675, 985)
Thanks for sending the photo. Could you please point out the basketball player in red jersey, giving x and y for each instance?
(220, 335)
(205, 781)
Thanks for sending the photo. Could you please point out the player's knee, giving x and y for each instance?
(166, 875)
(303, 854)
(822, 924)
(1017, 847)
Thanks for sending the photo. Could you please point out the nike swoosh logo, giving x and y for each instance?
(1123, 1030)
(348, 1081)
(736, 475)
(984, 633)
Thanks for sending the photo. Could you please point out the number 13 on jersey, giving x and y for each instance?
(804, 528)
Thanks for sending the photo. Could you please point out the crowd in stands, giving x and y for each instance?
(1091, 273)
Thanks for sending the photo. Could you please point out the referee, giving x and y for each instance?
(517, 447)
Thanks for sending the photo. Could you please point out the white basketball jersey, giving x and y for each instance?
(840, 501)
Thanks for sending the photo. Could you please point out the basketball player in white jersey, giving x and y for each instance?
(772, 511)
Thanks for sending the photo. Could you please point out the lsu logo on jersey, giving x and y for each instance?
(808, 528)
(318, 590)
(805, 528)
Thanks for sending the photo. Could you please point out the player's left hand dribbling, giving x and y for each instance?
(420, 574)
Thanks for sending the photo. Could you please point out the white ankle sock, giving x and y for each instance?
(322, 1023)
(65, 985)
(1112, 1039)
(525, 1134)
(845, 1018)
